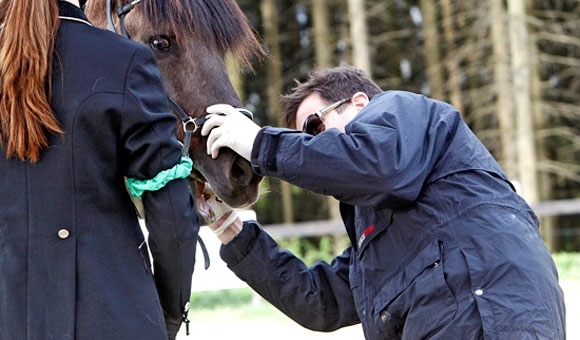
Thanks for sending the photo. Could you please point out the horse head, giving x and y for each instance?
(190, 39)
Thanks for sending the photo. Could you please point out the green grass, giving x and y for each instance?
(258, 310)
(222, 298)
(235, 304)
(568, 265)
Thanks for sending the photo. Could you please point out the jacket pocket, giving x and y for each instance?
(416, 301)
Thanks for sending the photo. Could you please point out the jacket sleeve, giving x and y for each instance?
(382, 160)
(318, 298)
(150, 146)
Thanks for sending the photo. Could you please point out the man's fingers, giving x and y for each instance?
(214, 142)
(227, 127)
(212, 122)
(222, 108)
(215, 151)
(210, 140)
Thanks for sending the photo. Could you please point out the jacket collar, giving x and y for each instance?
(66, 9)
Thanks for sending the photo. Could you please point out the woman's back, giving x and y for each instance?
(73, 261)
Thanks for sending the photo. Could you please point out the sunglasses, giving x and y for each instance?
(314, 124)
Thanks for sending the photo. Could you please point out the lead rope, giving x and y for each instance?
(188, 132)
(187, 121)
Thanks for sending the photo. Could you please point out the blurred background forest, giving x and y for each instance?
(511, 67)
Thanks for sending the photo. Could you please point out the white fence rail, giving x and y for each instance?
(331, 227)
(218, 276)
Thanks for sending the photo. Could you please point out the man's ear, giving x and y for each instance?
(360, 100)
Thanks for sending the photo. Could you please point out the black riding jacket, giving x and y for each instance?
(73, 260)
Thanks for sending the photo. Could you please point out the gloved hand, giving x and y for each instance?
(227, 127)
(212, 208)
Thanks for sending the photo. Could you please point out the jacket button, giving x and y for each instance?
(63, 234)
(479, 292)
(385, 316)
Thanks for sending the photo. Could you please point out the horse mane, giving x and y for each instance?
(218, 22)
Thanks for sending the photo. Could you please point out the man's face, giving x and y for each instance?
(332, 119)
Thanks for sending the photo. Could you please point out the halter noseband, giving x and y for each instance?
(190, 124)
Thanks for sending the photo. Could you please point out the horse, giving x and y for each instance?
(190, 39)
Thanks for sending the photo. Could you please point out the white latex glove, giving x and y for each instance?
(229, 128)
(212, 208)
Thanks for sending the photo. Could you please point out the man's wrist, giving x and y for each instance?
(227, 227)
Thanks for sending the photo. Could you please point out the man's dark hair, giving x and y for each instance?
(332, 85)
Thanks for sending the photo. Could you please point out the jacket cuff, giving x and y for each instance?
(238, 248)
(254, 158)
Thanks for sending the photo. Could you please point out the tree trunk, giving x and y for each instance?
(323, 46)
(502, 86)
(524, 75)
(544, 183)
(452, 60)
(274, 89)
(432, 52)
(521, 73)
(359, 35)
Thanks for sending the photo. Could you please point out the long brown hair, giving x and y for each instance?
(26, 51)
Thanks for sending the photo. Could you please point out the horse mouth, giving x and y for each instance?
(237, 186)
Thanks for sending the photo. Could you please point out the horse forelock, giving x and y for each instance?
(218, 22)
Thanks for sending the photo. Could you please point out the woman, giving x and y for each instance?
(81, 109)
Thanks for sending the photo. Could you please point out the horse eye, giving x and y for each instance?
(161, 43)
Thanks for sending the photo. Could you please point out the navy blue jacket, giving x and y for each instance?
(73, 261)
(441, 245)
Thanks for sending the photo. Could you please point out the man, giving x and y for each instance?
(441, 245)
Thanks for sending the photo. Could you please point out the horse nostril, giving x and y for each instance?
(241, 171)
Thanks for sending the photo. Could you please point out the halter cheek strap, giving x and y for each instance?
(122, 10)
(190, 124)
